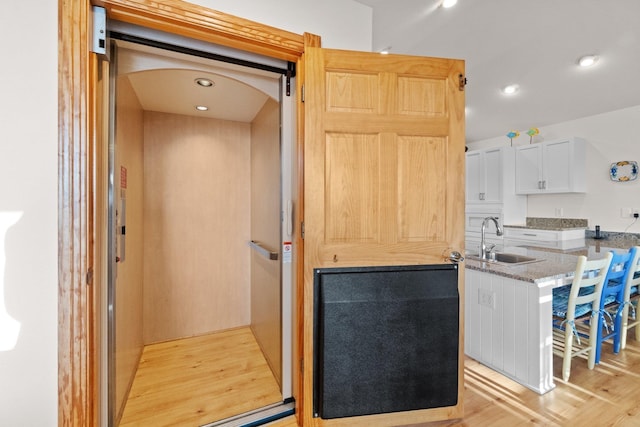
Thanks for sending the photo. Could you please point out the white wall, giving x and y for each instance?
(342, 24)
(28, 177)
(28, 184)
(611, 137)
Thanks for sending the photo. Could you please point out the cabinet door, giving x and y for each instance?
(551, 167)
(529, 169)
(556, 167)
(493, 175)
(474, 177)
(484, 174)
(383, 147)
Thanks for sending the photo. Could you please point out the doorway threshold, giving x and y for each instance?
(259, 416)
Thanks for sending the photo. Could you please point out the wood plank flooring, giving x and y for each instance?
(194, 381)
(607, 396)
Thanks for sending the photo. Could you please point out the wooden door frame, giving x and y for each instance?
(78, 320)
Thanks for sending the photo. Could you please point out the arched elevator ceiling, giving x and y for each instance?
(165, 81)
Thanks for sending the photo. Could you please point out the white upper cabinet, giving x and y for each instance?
(490, 191)
(489, 175)
(551, 167)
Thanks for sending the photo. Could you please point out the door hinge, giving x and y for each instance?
(89, 277)
(99, 30)
(462, 82)
(302, 93)
(302, 230)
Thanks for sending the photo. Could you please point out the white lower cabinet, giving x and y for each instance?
(508, 328)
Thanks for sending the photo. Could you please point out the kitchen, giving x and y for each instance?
(508, 305)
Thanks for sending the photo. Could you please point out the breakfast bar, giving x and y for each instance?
(508, 307)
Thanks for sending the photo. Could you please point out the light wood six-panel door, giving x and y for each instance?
(383, 176)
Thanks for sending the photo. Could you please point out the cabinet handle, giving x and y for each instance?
(544, 185)
(481, 196)
(529, 234)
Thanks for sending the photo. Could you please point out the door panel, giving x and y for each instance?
(384, 176)
(266, 307)
(420, 213)
(352, 171)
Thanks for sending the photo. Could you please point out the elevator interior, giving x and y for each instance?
(201, 206)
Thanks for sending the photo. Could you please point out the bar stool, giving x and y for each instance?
(630, 318)
(582, 303)
(612, 302)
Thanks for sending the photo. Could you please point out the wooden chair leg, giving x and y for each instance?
(617, 339)
(597, 348)
(624, 327)
(594, 342)
(566, 361)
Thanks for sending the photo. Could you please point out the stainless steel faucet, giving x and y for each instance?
(483, 245)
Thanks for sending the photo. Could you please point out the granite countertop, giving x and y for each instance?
(556, 266)
(546, 227)
(555, 224)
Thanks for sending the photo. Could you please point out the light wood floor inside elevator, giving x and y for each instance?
(195, 381)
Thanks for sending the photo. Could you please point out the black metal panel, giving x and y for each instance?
(385, 339)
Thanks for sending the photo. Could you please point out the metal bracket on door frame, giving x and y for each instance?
(99, 31)
(291, 73)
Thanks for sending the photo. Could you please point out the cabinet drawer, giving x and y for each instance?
(531, 234)
(561, 239)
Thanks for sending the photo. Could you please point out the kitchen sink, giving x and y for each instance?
(505, 258)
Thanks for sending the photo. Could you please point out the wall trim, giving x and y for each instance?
(189, 20)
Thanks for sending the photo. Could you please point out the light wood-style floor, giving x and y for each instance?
(194, 381)
(607, 396)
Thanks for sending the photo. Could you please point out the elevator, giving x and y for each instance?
(200, 233)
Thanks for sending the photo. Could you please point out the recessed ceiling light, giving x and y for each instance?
(204, 82)
(202, 107)
(449, 3)
(587, 60)
(510, 89)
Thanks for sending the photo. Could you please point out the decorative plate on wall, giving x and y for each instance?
(626, 170)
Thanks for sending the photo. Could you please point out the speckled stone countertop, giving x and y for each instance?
(556, 224)
(556, 266)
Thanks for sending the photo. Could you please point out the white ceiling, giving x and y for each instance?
(534, 43)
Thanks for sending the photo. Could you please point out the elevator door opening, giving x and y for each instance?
(201, 284)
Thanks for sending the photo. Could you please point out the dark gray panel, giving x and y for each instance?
(386, 339)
